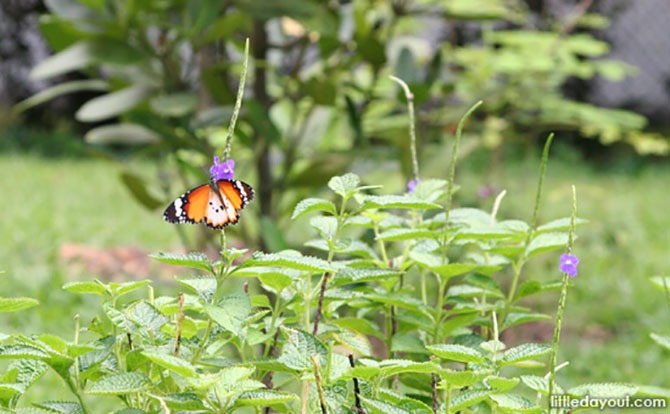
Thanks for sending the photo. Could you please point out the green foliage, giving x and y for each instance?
(168, 72)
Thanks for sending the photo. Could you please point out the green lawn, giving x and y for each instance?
(611, 308)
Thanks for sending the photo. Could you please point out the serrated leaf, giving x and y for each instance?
(325, 225)
(400, 234)
(121, 134)
(653, 391)
(296, 262)
(464, 378)
(120, 289)
(21, 351)
(517, 318)
(172, 363)
(64, 407)
(309, 205)
(94, 287)
(397, 201)
(524, 352)
(530, 287)
(501, 384)
(118, 384)
(358, 325)
(375, 406)
(183, 401)
(515, 403)
(275, 281)
(604, 390)
(299, 348)
(663, 341)
(193, 260)
(540, 384)
(453, 269)
(344, 183)
(202, 286)
(16, 304)
(231, 312)
(263, 398)
(349, 275)
(390, 367)
(458, 353)
(468, 398)
(546, 242)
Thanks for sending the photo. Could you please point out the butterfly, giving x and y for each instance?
(217, 203)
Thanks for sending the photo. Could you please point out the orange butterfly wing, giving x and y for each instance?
(216, 203)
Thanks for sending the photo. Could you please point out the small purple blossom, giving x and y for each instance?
(411, 185)
(569, 264)
(222, 170)
(485, 191)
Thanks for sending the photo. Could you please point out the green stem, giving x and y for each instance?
(412, 129)
(238, 101)
(561, 303)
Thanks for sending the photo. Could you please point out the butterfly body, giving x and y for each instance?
(217, 204)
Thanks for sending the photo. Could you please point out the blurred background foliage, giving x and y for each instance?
(160, 77)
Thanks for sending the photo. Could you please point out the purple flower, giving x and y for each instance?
(411, 185)
(485, 191)
(569, 264)
(222, 171)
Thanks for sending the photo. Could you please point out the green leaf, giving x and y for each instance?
(58, 90)
(204, 286)
(121, 134)
(546, 242)
(405, 406)
(465, 378)
(231, 312)
(290, 261)
(22, 352)
(325, 225)
(468, 398)
(183, 401)
(309, 205)
(453, 269)
(174, 105)
(400, 234)
(112, 104)
(517, 318)
(299, 348)
(653, 391)
(94, 287)
(562, 224)
(260, 118)
(276, 281)
(540, 384)
(515, 403)
(358, 325)
(194, 260)
(16, 304)
(172, 363)
(263, 398)
(397, 201)
(663, 341)
(120, 289)
(64, 407)
(344, 184)
(530, 287)
(350, 275)
(458, 353)
(501, 384)
(75, 57)
(118, 384)
(604, 390)
(524, 352)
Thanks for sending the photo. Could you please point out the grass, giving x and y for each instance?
(611, 308)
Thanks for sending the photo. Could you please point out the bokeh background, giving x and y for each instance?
(109, 110)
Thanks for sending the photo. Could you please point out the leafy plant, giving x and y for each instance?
(400, 309)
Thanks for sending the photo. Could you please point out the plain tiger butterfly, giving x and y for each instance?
(217, 203)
